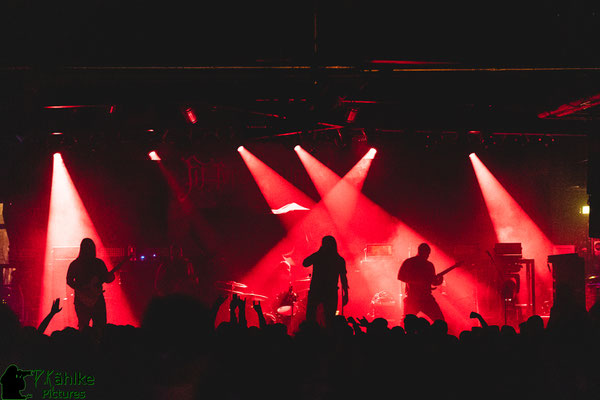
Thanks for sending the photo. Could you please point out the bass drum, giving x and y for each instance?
(384, 305)
(285, 304)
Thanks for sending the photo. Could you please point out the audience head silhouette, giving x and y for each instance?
(177, 346)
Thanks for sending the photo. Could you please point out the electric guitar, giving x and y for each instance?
(444, 272)
(426, 287)
(90, 293)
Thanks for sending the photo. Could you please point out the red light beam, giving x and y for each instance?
(277, 191)
(510, 222)
(361, 221)
(340, 195)
(68, 224)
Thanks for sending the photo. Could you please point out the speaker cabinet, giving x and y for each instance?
(568, 273)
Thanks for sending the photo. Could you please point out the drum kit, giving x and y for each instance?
(233, 288)
(285, 305)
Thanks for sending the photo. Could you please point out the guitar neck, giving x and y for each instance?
(118, 266)
(444, 272)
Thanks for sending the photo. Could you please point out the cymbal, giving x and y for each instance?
(255, 296)
(246, 295)
(231, 284)
(231, 290)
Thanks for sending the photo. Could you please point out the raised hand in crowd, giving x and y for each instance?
(479, 318)
(53, 311)
(242, 312)
(261, 317)
(237, 303)
(355, 326)
(233, 304)
(219, 301)
(363, 322)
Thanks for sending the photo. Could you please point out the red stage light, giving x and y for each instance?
(275, 189)
(240, 149)
(322, 177)
(64, 107)
(56, 133)
(351, 115)
(191, 115)
(371, 154)
(153, 156)
(297, 147)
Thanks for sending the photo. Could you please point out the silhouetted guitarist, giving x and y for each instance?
(419, 275)
(86, 274)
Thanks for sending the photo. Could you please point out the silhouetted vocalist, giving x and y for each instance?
(328, 267)
(419, 275)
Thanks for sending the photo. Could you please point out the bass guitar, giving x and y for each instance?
(419, 288)
(444, 272)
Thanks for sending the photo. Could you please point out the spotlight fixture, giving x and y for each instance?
(153, 156)
(297, 147)
(191, 115)
(240, 149)
(351, 117)
(371, 154)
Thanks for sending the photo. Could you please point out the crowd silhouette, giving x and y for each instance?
(179, 353)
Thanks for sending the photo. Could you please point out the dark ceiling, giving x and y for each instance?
(254, 70)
